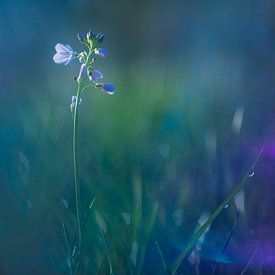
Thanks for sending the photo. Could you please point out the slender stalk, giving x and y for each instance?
(75, 164)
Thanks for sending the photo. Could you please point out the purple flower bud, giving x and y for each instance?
(108, 88)
(101, 52)
(82, 72)
(90, 35)
(100, 37)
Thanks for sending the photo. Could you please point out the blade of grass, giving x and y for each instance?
(226, 242)
(214, 215)
(164, 265)
(249, 261)
(101, 266)
(129, 262)
(107, 252)
(148, 231)
(89, 210)
(65, 232)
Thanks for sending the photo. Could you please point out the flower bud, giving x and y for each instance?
(90, 35)
(95, 75)
(82, 72)
(101, 52)
(100, 37)
(106, 87)
(74, 100)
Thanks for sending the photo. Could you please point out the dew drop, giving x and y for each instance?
(251, 174)
(226, 206)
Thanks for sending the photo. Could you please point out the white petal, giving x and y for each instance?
(61, 48)
(60, 58)
(69, 48)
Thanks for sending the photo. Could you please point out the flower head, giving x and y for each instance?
(101, 52)
(64, 54)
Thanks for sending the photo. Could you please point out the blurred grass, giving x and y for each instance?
(166, 138)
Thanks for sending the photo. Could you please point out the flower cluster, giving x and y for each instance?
(65, 54)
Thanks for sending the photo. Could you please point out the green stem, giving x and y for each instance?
(75, 164)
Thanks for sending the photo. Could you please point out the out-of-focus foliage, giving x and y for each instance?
(194, 103)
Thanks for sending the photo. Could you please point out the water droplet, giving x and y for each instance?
(251, 174)
(226, 206)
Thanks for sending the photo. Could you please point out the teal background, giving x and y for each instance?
(164, 142)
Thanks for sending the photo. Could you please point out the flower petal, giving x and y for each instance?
(69, 48)
(95, 75)
(70, 58)
(59, 58)
(108, 88)
(61, 48)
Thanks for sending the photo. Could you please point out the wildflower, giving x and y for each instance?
(64, 54)
(106, 87)
(82, 72)
(101, 52)
(95, 75)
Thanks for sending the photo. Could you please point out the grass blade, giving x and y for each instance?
(214, 215)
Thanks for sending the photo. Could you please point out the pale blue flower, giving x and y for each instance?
(64, 54)
(82, 72)
(101, 52)
(95, 75)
